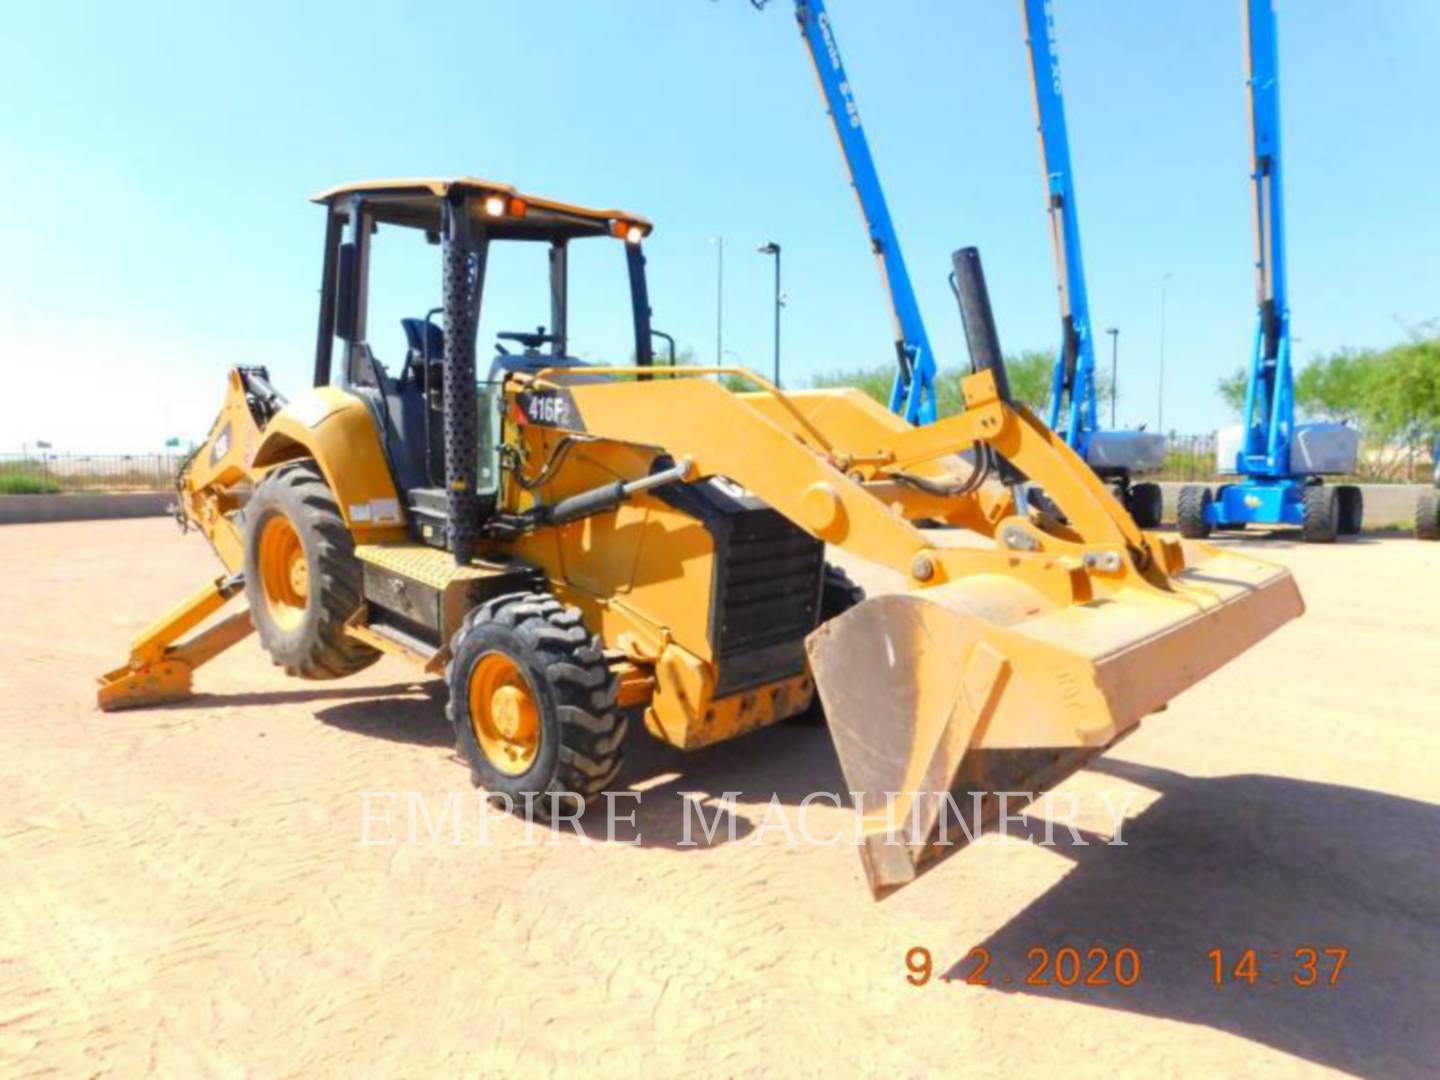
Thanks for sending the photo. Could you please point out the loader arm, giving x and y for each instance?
(805, 471)
(1018, 648)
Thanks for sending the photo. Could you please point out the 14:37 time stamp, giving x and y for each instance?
(1099, 965)
(1307, 965)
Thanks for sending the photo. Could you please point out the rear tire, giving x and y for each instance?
(838, 595)
(563, 737)
(1427, 516)
(1193, 512)
(302, 580)
(1147, 505)
(1352, 509)
(1321, 521)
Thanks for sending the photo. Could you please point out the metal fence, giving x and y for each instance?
(1189, 457)
(1192, 458)
(38, 472)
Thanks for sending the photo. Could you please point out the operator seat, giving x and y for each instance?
(412, 431)
(425, 355)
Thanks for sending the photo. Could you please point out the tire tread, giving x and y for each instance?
(592, 728)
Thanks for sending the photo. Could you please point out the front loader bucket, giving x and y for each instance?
(982, 686)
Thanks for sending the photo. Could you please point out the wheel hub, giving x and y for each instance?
(284, 572)
(514, 713)
(300, 575)
(504, 715)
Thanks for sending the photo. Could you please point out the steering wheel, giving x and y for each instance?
(529, 340)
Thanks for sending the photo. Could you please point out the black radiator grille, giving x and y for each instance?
(770, 585)
(767, 590)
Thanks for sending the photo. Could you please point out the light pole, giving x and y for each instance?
(719, 242)
(1114, 333)
(1160, 402)
(773, 248)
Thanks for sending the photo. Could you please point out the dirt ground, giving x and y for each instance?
(189, 891)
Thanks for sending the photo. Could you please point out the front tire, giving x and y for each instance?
(1193, 513)
(1321, 521)
(532, 701)
(1352, 509)
(1147, 505)
(302, 579)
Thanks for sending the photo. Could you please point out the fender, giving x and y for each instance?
(335, 427)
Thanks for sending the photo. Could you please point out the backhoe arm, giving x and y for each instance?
(210, 490)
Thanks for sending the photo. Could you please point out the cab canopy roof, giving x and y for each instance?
(504, 211)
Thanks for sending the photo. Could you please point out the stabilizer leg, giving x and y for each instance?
(160, 671)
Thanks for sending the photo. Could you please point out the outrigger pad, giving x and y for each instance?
(983, 685)
(154, 684)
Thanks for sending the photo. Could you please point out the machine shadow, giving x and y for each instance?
(412, 713)
(788, 760)
(1258, 862)
(379, 696)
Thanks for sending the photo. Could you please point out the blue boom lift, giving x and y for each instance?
(1280, 463)
(913, 394)
(1117, 456)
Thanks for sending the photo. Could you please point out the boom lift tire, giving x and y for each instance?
(1193, 512)
(1147, 505)
(838, 594)
(1321, 523)
(302, 580)
(1427, 516)
(533, 703)
(1352, 509)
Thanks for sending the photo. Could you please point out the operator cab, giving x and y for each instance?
(450, 495)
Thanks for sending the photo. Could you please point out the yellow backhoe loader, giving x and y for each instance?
(574, 545)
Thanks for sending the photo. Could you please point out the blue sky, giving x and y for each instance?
(156, 159)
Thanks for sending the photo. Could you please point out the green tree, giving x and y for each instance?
(1231, 389)
(1030, 378)
(1338, 386)
(1029, 371)
(1392, 394)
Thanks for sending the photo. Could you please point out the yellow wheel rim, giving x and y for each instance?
(503, 714)
(284, 572)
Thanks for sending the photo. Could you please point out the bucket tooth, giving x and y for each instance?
(984, 685)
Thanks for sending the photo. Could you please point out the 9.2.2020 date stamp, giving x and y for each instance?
(1068, 965)
(1099, 965)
